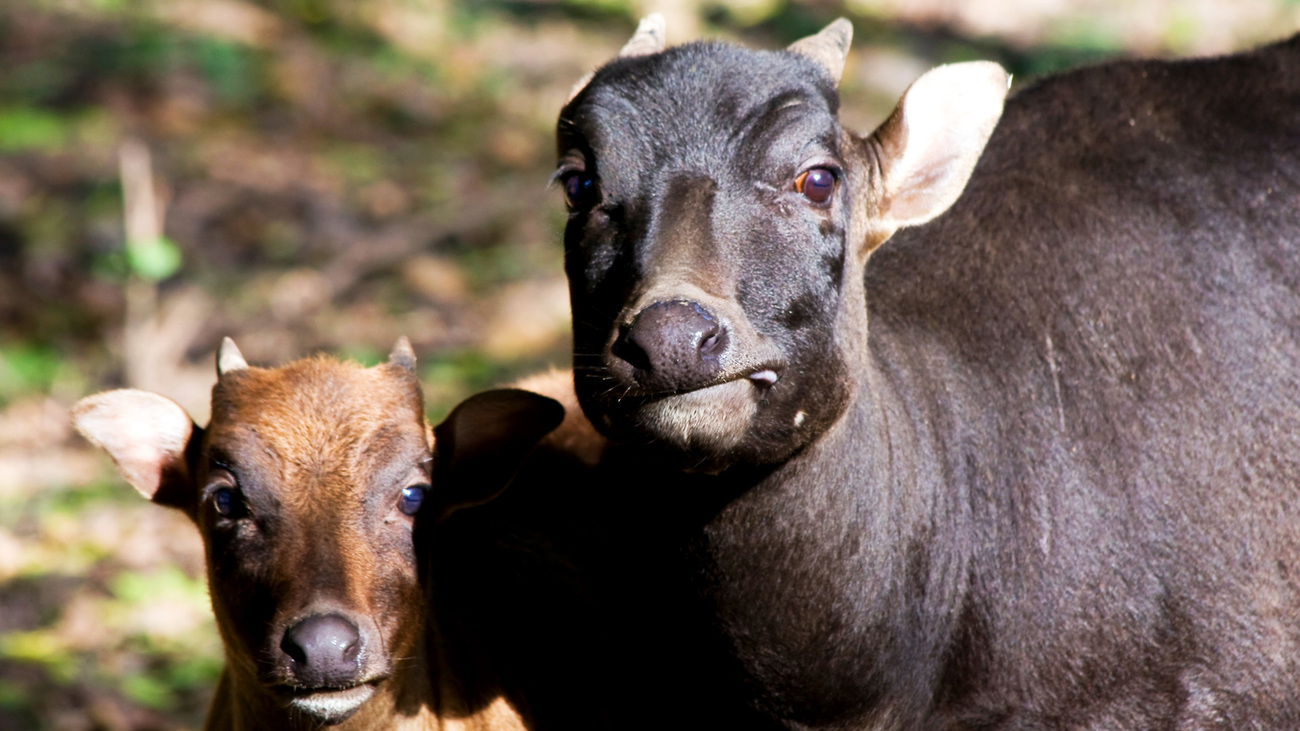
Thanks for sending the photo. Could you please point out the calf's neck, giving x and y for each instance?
(306, 487)
(986, 419)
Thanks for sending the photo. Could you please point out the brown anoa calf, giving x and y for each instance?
(305, 486)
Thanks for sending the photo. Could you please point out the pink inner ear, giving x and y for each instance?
(142, 466)
(936, 136)
(143, 432)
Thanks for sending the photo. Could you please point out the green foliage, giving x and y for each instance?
(450, 376)
(148, 53)
(166, 583)
(752, 12)
(73, 500)
(359, 165)
(26, 368)
(37, 81)
(228, 69)
(25, 129)
(12, 695)
(1088, 37)
(611, 7)
(312, 12)
(364, 355)
(43, 648)
(181, 662)
(153, 258)
(147, 690)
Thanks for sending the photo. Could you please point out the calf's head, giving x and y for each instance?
(305, 486)
(719, 220)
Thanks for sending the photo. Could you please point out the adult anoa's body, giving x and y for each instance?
(1039, 467)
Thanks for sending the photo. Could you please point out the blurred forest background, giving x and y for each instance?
(329, 175)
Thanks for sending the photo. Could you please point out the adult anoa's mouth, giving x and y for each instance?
(713, 418)
(765, 377)
(762, 376)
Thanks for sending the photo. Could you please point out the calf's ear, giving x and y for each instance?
(930, 144)
(483, 441)
(148, 437)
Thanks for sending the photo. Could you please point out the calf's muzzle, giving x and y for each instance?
(324, 651)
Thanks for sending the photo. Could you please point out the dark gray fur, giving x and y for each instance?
(1061, 486)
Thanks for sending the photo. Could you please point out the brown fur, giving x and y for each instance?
(319, 452)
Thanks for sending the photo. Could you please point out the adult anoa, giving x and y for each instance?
(1013, 444)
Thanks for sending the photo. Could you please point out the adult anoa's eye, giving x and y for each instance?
(412, 498)
(577, 188)
(816, 184)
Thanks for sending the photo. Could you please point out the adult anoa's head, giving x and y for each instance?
(719, 220)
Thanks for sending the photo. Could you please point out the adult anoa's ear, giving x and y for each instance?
(479, 446)
(930, 144)
(148, 437)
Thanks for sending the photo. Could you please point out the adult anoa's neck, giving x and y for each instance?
(843, 536)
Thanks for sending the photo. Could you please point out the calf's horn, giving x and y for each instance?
(229, 358)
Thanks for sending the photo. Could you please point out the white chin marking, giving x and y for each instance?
(332, 706)
(717, 417)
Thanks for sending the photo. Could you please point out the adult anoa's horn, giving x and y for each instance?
(648, 38)
(828, 47)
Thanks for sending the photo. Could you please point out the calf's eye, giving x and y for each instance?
(225, 501)
(412, 498)
(816, 184)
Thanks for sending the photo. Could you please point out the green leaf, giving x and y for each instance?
(26, 368)
(143, 588)
(25, 128)
(153, 259)
(148, 691)
(39, 646)
(13, 695)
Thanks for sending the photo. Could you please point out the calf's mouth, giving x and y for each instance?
(330, 705)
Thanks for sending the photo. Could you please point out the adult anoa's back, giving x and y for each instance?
(1105, 328)
(1038, 468)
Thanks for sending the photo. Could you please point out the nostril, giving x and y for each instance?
(352, 650)
(627, 348)
(713, 342)
(293, 649)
